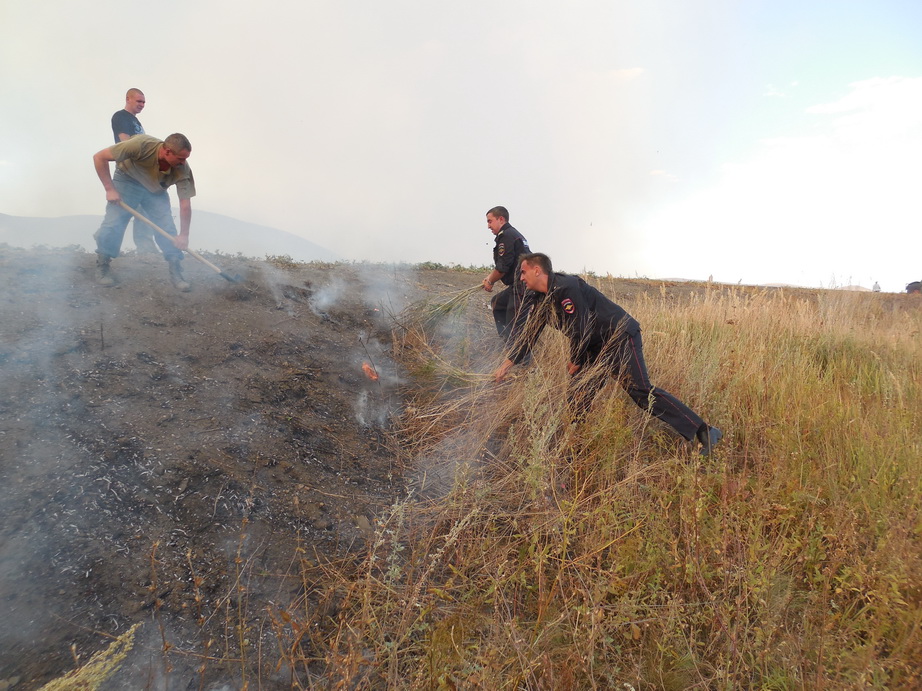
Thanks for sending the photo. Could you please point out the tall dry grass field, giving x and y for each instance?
(539, 552)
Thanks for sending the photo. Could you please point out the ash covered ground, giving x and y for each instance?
(175, 458)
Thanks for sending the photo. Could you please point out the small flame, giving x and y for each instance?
(370, 371)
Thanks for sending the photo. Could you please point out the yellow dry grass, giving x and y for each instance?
(98, 669)
(607, 554)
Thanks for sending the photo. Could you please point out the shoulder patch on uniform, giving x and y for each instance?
(501, 249)
(568, 306)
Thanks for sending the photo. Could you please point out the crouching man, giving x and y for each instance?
(604, 341)
(145, 168)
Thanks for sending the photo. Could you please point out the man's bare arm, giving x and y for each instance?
(101, 161)
(181, 241)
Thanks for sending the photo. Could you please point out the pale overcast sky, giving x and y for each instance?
(774, 141)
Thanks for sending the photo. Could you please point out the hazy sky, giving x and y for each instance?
(762, 141)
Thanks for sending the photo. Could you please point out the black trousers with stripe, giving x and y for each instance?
(622, 357)
(505, 306)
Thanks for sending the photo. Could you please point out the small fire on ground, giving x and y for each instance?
(369, 371)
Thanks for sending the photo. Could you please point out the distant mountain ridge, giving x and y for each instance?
(210, 232)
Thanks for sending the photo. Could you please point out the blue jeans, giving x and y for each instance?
(155, 207)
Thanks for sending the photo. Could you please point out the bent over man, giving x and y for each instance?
(145, 168)
(509, 246)
(602, 333)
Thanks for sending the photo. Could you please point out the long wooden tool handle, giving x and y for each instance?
(166, 234)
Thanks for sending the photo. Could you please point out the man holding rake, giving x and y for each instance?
(145, 168)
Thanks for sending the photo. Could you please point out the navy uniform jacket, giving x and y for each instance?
(510, 245)
(585, 316)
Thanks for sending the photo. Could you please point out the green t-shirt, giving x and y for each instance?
(137, 158)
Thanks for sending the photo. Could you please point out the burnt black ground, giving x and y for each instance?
(166, 456)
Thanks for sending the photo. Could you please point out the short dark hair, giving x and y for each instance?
(540, 260)
(499, 212)
(177, 142)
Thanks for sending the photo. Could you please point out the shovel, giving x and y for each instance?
(224, 275)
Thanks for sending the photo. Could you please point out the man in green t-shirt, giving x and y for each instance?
(145, 168)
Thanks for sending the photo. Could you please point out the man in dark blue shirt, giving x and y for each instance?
(600, 333)
(125, 124)
(508, 247)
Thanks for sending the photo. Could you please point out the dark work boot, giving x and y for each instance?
(104, 275)
(176, 277)
(708, 436)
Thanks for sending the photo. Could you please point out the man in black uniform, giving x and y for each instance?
(125, 124)
(510, 245)
(600, 333)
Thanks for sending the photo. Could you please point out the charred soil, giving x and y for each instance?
(174, 458)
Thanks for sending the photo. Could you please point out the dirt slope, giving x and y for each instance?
(156, 445)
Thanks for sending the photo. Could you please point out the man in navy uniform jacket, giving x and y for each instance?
(600, 333)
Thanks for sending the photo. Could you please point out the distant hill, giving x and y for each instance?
(210, 233)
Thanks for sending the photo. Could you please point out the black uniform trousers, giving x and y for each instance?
(622, 357)
(505, 307)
